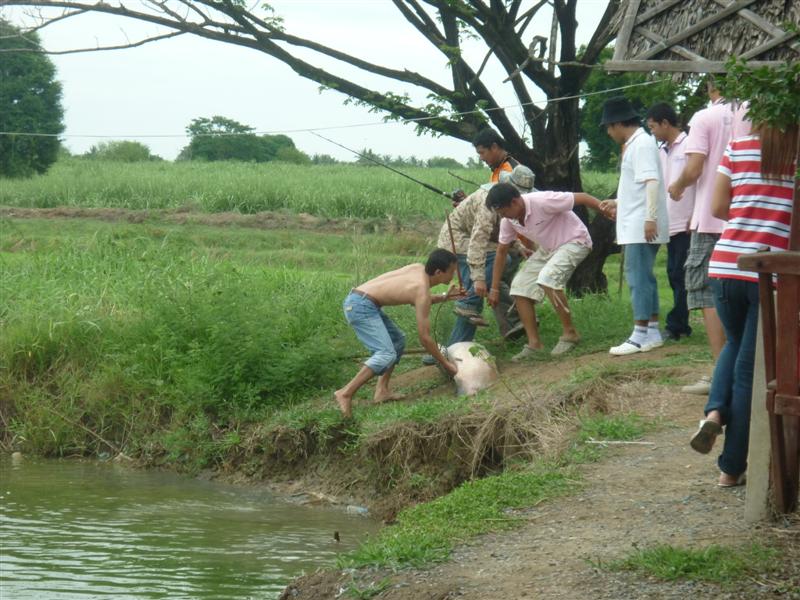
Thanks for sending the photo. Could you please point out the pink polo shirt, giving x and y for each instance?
(549, 221)
(673, 161)
(710, 131)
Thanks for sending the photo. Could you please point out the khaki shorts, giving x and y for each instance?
(550, 269)
(698, 285)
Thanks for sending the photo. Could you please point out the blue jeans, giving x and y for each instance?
(463, 330)
(732, 387)
(639, 261)
(677, 320)
(376, 331)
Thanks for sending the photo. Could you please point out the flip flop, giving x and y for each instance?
(563, 346)
(740, 480)
(703, 439)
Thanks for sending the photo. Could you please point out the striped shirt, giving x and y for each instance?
(760, 212)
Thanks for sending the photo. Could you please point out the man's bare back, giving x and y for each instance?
(406, 285)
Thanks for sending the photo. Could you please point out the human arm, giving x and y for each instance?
(591, 202)
(479, 245)
(651, 220)
(609, 208)
(497, 273)
(423, 311)
(721, 197)
(689, 176)
(454, 293)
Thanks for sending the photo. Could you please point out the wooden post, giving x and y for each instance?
(756, 503)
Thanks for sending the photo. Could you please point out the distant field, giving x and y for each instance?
(326, 191)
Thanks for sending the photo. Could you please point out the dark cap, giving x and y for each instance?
(618, 110)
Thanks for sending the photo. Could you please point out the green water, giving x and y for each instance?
(86, 530)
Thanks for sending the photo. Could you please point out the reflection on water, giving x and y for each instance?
(92, 530)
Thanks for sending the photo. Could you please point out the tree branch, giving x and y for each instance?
(99, 48)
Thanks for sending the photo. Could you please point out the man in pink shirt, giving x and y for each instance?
(710, 130)
(663, 124)
(562, 240)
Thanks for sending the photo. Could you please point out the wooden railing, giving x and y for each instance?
(780, 314)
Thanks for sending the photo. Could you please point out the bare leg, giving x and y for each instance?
(382, 391)
(714, 330)
(527, 314)
(344, 396)
(559, 301)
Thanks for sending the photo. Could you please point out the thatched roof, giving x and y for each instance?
(701, 35)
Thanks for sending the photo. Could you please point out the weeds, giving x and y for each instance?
(716, 564)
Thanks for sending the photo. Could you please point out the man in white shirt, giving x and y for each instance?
(642, 222)
(663, 123)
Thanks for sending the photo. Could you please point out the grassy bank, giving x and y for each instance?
(165, 341)
(326, 191)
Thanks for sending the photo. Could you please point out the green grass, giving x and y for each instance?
(327, 191)
(724, 565)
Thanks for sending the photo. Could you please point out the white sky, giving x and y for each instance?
(157, 89)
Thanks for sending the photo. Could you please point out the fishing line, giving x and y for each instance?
(350, 126)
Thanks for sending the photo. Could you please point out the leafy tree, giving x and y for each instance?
(220, 138)
(444, 162)
(324, 159)
(30, 102)
(122, 151)
(290, 154)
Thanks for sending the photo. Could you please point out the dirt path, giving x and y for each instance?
(638, 495)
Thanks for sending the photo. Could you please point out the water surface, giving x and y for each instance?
(88, 530)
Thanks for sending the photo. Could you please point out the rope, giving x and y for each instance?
(329, 127)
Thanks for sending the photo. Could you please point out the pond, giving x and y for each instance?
(88, 530)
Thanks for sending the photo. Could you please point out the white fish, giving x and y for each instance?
(476, 369)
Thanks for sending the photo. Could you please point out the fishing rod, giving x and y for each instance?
(463, 179)
(428, 186)
(422, 183)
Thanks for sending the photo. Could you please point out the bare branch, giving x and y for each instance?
(98, 48)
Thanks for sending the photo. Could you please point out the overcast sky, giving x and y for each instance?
(157, 89)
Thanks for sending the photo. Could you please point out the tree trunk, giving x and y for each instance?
(556, 163)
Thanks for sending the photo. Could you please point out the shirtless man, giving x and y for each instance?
(362, 308)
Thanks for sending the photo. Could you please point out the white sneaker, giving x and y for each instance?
(652, 345)
(701, 387)
(626, 347)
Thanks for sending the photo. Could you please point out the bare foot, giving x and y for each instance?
(388, 397)
(345, 403)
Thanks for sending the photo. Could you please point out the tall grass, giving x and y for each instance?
(326, 191)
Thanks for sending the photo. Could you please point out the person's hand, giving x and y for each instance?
(455, 293)
(609, 209)
(494, 297)
(526, 252)
(457, 197)
(675, 191)
(650, 231)
(480, 289)
(450, 367)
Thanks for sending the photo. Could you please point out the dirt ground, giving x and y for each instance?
(638, 495)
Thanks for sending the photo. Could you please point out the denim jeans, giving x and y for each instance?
(639, 261)
(376, 331)
(677, 320)
(736, 301)
(463, 330)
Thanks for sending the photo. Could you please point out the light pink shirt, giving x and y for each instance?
(549, 221)
(710, 131)
(673, 161)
